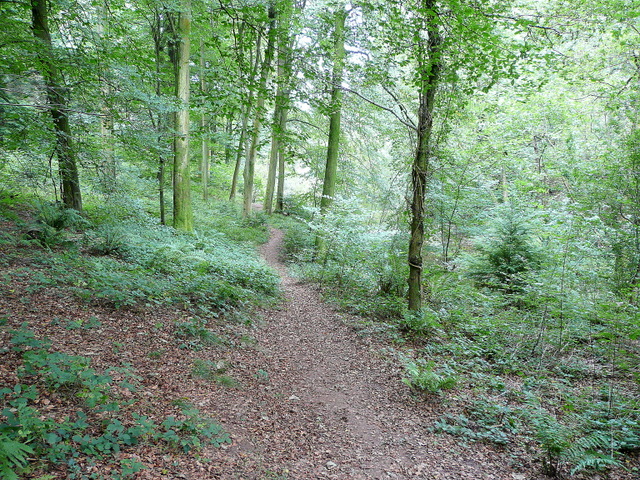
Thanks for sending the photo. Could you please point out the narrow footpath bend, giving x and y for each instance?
(334, 408)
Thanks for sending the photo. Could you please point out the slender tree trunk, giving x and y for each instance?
(333, 143)
(205, 158)
(244, 123)
(240, 153)
(182, 209)
(281, 159)
(250, 164)
(282, 99)
(429, 73)
(273, 158)
(57, 105)
(228, 151)
(106, 120)
(162, 119)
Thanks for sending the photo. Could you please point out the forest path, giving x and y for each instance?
(334, 407)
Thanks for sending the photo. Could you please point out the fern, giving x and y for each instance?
(570, 445)
(589, 452)
(422, 378)
(13, 455)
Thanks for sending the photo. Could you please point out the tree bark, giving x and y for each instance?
(333, 143)
(281, 159)
(278, 128)
(182, 209)
(205, 151)
(242, 141)
(57, 105)
(429, 69)
(241, 152)
(249, 166)
(162, 120)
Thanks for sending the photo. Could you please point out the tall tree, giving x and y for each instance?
(182, 208)
(428, 73)
(57, 101)
(249, 167)
(205, 149)
(284, 78)
(335, 112)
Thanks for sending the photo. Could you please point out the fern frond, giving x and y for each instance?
(13, 455)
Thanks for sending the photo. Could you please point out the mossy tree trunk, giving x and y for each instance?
(182, 208)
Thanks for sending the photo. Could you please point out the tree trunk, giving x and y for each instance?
(281, 159)
(429, 69)
(333, 144)
(182, 209)
(273, 158)
(57, 106)
(106, 119)
(228, 151)
(162, 119)
(249, 166)
(242, 147)
(205, 158)
(278, 128)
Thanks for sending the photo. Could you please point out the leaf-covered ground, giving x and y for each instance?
(300, 392)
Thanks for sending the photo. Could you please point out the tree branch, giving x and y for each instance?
(45, 107)
(407, 123)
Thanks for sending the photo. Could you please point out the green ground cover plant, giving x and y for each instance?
(29, 436)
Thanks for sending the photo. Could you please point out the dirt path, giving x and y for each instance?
(333, 407)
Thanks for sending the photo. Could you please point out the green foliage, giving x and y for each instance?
(227, 218)
(422, 323)
(150, 264)
(51, 222)
(508, 255)
(193, 334)
(422, 377)
(57, 217)
(79, 439)
(484, 420)
(13, 456)
(365, 265)
(567, 443)
(299, 241)
(107, 239)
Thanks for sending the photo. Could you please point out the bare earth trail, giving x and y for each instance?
(331, 406)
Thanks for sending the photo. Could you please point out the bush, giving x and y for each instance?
(508, 255)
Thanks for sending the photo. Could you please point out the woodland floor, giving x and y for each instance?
(314, 399)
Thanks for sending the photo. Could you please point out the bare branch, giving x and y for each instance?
(406, 123)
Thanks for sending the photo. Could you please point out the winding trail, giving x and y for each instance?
(334, 406)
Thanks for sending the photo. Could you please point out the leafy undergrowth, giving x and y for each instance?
(548, 376)
(106, 324)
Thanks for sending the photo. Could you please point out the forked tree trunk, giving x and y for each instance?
(429, 68)
(57, 106)
(182, 209)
